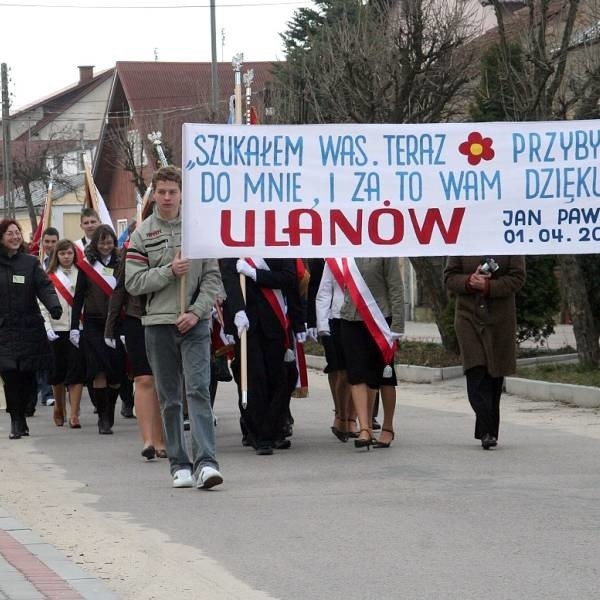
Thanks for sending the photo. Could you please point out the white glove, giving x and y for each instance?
(110, 342)
(311, 333)
(397, 336)
(301, 337)
(52, 335)
(230, 339)
(241, 322)
(74, 337)
(245, 269)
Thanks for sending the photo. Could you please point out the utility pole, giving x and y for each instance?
(213, 65)
(9, 209)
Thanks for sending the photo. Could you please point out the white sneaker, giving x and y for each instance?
(208, 478)
(49, 401)
(183, 478)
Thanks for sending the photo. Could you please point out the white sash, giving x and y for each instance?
(66, 280)
(368, 309)
(260, 263)
(103, 272)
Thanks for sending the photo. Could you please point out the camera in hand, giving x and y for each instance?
(489, 266)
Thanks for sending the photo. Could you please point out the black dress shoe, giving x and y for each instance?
(282, 444)
(488, 441)
(375, 426)
(127, 412)
(264, 450)
(22, 426)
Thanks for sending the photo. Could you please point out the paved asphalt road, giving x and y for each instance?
(434, 517)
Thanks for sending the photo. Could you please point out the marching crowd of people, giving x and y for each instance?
(87, 314)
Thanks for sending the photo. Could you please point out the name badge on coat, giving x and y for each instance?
(18, 278)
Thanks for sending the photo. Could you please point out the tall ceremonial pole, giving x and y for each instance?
(156, 138)
(237, 62)
(46, 217)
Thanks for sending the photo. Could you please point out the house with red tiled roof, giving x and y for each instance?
(158, 96)
(49, 139)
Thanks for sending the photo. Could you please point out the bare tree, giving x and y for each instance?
(384, 61)
(37, 161)
(127, 136)
(556, 79)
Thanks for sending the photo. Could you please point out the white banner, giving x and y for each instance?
(391, 190)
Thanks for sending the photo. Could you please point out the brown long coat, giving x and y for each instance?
(486, 325)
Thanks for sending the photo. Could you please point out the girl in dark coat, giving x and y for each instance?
(485, 323)
(24, 346)
(105, 365)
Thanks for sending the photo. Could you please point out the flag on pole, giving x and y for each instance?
(231, 117)
(94, 200)
(36, 243)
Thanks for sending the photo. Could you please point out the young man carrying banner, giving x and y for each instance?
(177, 338)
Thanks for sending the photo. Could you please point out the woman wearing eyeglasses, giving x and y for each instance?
(24, 347)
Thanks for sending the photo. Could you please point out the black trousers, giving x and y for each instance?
(20, 389)
(484, 393)
(264, 417)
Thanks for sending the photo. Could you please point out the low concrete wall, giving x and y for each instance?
(577, 395)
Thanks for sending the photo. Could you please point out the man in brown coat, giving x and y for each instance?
(485, 323)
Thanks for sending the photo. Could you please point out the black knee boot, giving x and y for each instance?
(112, 395)
(102, 405)
(15, 429)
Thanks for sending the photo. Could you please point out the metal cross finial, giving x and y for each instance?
(156, 138)
(248, 77)
(237, 61)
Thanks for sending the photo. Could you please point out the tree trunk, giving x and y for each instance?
(430, 273)
(573, 284)
(30, 207)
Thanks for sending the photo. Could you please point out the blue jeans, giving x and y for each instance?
(175, 358)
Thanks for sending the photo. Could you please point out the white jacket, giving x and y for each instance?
(64, 323)
(329, 300)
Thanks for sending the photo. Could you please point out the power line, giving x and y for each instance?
(147, 7)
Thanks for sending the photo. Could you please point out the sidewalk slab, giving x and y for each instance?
(31, 569)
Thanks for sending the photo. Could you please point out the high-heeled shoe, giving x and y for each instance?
(149, 452)
(362, 442)
(339, 434)
(351, 434)
(379, 444)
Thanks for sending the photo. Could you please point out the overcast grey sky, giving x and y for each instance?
(44, 44)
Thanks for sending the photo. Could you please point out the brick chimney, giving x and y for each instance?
(86, 74)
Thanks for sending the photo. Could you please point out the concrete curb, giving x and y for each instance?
(31, 568)
(419, 374)
(576, 395)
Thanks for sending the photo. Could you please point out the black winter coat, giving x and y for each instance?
(23, 342)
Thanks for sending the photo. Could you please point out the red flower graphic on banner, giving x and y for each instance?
(477, 148)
